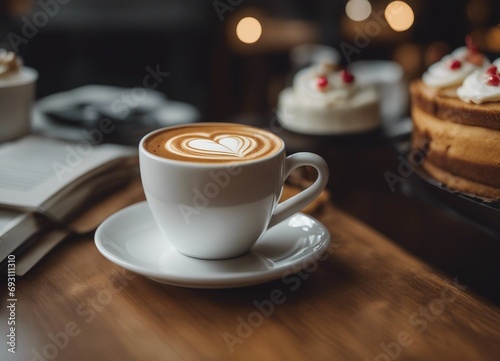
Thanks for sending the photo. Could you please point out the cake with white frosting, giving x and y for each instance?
(327, 101)
(456, 117)
(17, 93)
(12, 71)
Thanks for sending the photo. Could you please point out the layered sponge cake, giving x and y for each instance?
(456, 117)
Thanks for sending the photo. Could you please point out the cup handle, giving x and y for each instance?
(293, 205)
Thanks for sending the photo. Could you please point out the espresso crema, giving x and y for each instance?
(213, 143)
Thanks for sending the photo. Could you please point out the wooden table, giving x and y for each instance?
(366, 299)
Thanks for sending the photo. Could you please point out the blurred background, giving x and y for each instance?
(233, 69)
(78, 42)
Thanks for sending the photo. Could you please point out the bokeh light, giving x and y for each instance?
(399, 15)
(478, 11)
(248, 30)
(358, 10)
(493, 39)
(409, 56)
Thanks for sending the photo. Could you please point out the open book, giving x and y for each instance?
(53, 179)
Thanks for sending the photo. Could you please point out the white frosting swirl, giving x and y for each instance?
(475, 88)
(305, 84)
(440, 75)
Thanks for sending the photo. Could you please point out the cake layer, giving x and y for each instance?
(463, 151)
(462, 184)
(444, 104)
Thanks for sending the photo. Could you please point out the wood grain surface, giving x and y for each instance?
(366, 299)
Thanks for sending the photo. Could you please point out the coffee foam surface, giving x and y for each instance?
(213, 143)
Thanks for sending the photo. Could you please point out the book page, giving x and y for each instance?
(34, 169)
(8, 220)
(15, 229)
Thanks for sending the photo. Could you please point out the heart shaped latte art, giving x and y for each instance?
(231, 145)
(213, 146)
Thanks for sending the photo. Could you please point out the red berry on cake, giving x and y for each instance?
(455, 64)
(322, 82)
(347, 77)
(492, 70)
(493, 80)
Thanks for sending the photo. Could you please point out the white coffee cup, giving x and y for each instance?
(17, 94)
(219, 210)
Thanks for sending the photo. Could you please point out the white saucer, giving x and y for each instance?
(131, 239)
